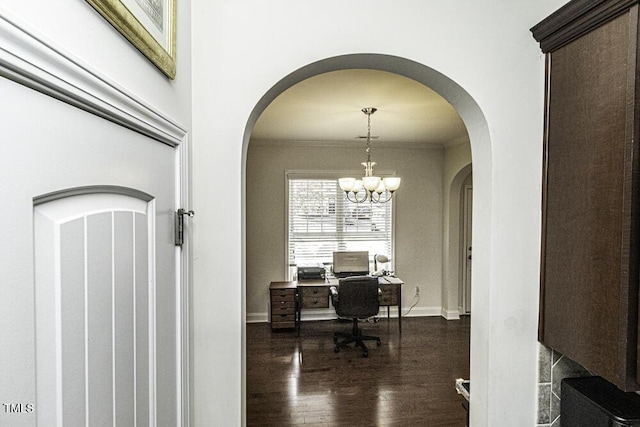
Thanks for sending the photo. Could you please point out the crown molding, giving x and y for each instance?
(462, 140)
(31, 60)
(575, 19)
(345, 144)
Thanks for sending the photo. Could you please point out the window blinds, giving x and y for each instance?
(322, 220)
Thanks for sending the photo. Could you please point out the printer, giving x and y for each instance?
(311, 271)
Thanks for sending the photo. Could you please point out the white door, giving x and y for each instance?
(467, 246)
(91, 300)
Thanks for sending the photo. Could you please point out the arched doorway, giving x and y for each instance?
(481, 153)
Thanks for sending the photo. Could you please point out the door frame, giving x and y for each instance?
(466, 215)
(36, 63)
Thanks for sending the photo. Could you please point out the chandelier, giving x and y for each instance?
(376, 189)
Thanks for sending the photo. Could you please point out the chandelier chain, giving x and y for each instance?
(368, 112)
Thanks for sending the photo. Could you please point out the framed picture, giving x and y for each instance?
(150, 25)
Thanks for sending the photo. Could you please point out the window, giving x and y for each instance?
(322, 220)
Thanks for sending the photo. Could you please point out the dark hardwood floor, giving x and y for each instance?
(408, 381)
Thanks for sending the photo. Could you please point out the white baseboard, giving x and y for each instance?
(257, 317)
(318, 315)
(328, 314)
(418, 311)
(450, 314)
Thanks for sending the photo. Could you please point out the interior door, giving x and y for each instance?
(90, 308)
(467, 209)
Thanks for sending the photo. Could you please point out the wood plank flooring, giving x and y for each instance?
(408, 381)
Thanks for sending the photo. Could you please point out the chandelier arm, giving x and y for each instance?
(364, 197)
(373, 198)
(353, 197)
(388, 198)
(379, 199)
(348, 194)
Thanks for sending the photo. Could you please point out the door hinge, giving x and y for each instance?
(179, 225)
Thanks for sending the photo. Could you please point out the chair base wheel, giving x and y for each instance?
(343, 339)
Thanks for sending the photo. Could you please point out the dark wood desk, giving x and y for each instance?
(314, 294)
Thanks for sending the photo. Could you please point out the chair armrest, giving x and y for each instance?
(379, 292)
(334, 295)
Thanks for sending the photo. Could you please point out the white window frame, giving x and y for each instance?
(297, 175)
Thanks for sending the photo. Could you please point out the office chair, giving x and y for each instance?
(354, 298)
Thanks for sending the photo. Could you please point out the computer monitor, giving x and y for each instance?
(350, 263)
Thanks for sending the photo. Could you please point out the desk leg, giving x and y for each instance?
(399, 287)
(298, 311)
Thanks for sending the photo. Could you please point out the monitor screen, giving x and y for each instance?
(350, 263)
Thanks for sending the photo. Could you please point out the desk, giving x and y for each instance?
(308, 294)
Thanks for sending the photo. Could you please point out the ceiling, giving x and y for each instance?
(327, 108)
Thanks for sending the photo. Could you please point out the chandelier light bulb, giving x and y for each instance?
(371, 182)
(381, 187)
(347, 184)
(392, 183)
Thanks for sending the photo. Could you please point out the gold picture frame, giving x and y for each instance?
(150, 25)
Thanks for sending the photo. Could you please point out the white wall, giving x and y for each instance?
(243, 49)
(77, 29)
(418, 208)
(45, 142)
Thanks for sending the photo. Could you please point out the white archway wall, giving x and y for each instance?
(242, 49)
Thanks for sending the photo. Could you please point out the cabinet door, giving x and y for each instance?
(589, 253)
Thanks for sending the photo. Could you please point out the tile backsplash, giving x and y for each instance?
(552, 368)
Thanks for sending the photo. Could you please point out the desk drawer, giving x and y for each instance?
(283, 295)
(278, 309)
(287, 324)
(280, 318)
(315, 297)
(389, 296)
(280, 304)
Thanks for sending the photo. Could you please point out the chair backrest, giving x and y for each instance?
(358, 297)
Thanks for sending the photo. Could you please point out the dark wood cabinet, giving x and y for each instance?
(284, 305)
(591, 217)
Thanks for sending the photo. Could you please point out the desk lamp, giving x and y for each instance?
(380, 258)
